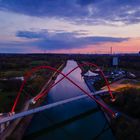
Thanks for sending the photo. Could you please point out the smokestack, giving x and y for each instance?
(111, 50)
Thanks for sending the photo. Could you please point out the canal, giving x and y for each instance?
(81, 119)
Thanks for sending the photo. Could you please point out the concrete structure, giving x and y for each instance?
(3, 126)
(89, 73)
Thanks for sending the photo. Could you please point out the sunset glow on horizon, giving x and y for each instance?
(75, 26)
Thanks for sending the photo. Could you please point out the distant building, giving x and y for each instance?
(115, 61)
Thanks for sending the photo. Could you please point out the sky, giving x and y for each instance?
(69, 26)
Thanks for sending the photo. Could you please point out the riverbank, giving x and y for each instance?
(17, 128)
(127, 103)
(92, 88)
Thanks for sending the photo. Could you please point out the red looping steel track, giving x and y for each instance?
(28, 74)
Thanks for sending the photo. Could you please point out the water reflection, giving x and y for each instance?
(65, 89)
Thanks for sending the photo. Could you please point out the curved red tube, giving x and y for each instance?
(54, 69)
(87, 63)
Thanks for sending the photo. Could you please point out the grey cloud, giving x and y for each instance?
(83, 11)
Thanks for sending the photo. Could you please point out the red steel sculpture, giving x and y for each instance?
(33, 70)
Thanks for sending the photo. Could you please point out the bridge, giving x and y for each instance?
(44, 92)
(48, 106)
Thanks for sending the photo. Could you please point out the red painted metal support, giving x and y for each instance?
(64, 76)
(51, 86)
(81, 65)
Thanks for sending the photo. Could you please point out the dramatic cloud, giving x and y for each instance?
(64, 40)
(31, 35)
(83, 11)
(69, 25)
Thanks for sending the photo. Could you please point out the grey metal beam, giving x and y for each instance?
(42, 108)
